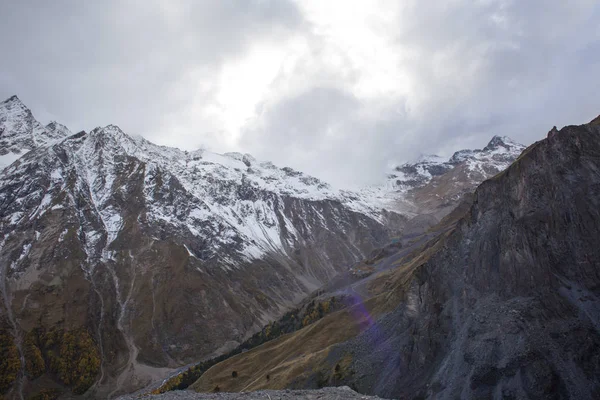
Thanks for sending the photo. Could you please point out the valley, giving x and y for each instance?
(131, 267)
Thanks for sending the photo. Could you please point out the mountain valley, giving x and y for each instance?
(126, 266)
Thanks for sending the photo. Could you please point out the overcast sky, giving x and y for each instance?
(336, 88)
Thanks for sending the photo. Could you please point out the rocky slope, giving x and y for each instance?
(145, 258)
(500, 300)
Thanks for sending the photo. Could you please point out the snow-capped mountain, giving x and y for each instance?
(20, 132)
(237, 201)
(434, 185)
(411, 175)
(499, 153)
(162, 256)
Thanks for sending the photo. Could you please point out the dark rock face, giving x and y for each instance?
(510, 307)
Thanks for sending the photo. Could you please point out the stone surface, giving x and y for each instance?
(330, 393)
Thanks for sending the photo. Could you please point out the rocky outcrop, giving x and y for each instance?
(338, 393)
(509, 308)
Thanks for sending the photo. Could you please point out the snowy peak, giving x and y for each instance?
(14, 102)
(195, 169)
(501, 141)
(17, 125)
(479, 164)
(497, 145)
(409, 175)
(228, 208)
(57, 131)
(231, 199)
(433, 184)
(20, 132)
(111, 137)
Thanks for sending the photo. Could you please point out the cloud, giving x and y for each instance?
(426, 78)
(133, 63)
(339, 89)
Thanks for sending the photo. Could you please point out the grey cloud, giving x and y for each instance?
(302, 129)
(124, 62)
(322, 131)
(526, 64)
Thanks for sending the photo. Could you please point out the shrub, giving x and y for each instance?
(79, 361)
(34, 361)
(72, 355)
(10, 362)
(46, 394)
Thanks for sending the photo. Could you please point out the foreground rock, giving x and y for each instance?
(330, 393)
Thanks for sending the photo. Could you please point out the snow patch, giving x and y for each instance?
(62, 235)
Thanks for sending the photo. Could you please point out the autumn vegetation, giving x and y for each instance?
(72, 357)
(290, 322)
(10, 363)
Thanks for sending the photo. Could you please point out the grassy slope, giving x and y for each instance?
(302, 356)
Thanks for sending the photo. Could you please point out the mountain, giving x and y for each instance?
(121, 260)
(432, 187)
(20, 132)
(499, 153)
(465, 170)
(501, 299)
